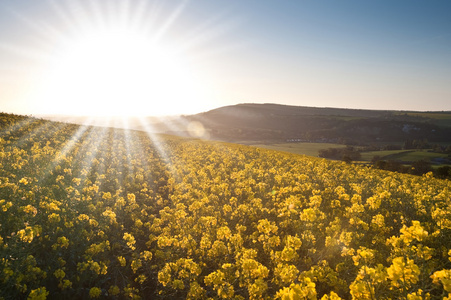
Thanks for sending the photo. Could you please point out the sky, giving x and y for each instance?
(154, 57)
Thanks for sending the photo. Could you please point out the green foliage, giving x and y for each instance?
(347, 154)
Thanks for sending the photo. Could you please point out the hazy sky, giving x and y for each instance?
(169, 57)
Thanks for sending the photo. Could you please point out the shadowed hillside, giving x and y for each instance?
(273, 122)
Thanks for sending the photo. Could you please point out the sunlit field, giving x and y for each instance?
(96, 212)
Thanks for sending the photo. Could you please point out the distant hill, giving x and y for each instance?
(274, 123)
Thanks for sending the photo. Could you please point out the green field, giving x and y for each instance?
(431, 115)
(310, 149)
(368, 155)
(403, 155)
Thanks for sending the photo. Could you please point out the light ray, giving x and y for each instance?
(155, 140)
(64, 15)
(30, 123)
(32, 54)
(168, 123)
(170, 20)
(70, 144)
(118, 58)
(60, 154)
(96, 13)
(7, 129)
(95, 138)
(41, 30)
(127, 149)
(138, 17)
(213, 28)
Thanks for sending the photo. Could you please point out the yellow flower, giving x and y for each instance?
(83, 217)
(414, 232)
(95, 292)
(59, 274)
(135, 265)
(444, 276)
(38, 294)
(114, 290)
(403, 272)
(29, 209)
(285, 273)
(131, 198)
(361, 290)
(26, 235)
(418, 295)
(54, 218)
(303, 290)
(122, 261)
(146, 255)
(24, 181)
(130, 239)
(331, 296)
(65, 284)
(110, 215)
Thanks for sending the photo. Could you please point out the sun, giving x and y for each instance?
(117, 71)
(114, 60)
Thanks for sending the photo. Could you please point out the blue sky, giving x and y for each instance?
(351, 54)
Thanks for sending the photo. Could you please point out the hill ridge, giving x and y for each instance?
(276, 122)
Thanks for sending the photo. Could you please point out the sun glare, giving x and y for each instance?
(114, 60)
(118, 72)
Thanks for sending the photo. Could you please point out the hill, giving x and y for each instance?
(279, 123)
(107, 213)
(275, 123)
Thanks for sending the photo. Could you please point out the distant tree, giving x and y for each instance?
(443, 172)
(437, 148)
(408, 144)
(390, 165)
(392, 147)
(346, 154)
(331, 153)
(396, 166)
(352, 152)
(380, 164)
(375, 159)
(421, 144)
(421, 167)
(347, 159)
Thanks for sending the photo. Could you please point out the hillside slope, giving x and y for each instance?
(276, 123)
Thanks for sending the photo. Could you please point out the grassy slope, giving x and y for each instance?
(402, 155)
(312, 149)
